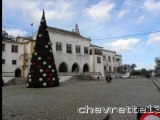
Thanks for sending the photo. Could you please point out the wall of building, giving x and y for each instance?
(61, 56)
(119, 62)
(9, 56)
(70, 58)
(8, 69)
(110, 63)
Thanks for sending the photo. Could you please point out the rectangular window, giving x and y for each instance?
(118, 60)
(78, 49)
(69, 48)
(105, 68)
(3, 47)
(95, 51)
(113, 59)
(14, 48)
(109, 58)
(110, 69)
(14, 62)
(90, 51)
(98, 59)
(104, 57)
(98, 52)
(3, 61)
(58, 46)
(85, 50)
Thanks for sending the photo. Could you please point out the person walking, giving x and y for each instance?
(109, 77)
(98, 78)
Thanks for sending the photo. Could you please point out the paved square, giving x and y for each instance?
(61, 103)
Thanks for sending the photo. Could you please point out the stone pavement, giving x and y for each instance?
(61, 103)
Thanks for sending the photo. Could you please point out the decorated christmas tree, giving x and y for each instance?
(42, 71)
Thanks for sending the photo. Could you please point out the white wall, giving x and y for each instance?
(111, 63)
(99, 66)
(62, 56)
(9, 56)
(68, 58)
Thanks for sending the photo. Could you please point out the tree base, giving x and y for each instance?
(41, 86)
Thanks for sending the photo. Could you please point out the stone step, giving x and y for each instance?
(16, 81)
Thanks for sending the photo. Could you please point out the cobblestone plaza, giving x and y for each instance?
(61, 103)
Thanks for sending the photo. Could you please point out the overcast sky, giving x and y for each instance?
(97, 19)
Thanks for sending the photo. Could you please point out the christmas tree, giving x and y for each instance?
(42, 71)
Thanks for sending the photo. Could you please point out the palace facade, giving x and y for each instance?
(73, 53)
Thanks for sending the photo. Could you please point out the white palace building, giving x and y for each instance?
(73, 54)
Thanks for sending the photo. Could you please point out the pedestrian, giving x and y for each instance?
(107, 117)
(98, 78)
(148, 76)
(109, 77)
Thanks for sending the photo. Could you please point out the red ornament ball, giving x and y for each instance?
(51, 75)
(33, 63)
(49, 58)
(39, 67)
(32, 71)
(47, 70)
(48, 79)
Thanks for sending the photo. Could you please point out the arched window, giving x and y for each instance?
(18, 72)
(75, 68)
(63, 67)
(85, 68)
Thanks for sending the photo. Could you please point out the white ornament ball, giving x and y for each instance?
(49, 43)
(40, 79)
(29, 76)
(53, 79)
(41, 70)
(39, 58)
(44, 84)
(49, 66)
(42, 20)
(30, 80)
(40, 35)
(27, 85)
(44, 75)
(44, 63)
(50, 50)
(35, 53)
(52, 70)
(46, 46)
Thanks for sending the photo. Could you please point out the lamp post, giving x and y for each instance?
(32, 29)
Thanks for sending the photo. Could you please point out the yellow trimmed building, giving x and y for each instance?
(72, 53)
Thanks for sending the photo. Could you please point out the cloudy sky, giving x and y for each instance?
(97, 19)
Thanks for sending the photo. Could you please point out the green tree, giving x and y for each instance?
(144, 71)
(6, 36)
(43, 71)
